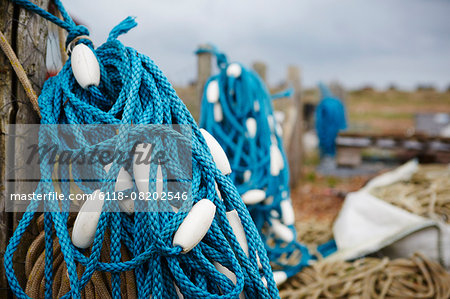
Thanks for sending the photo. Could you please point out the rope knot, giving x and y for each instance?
(75, 32)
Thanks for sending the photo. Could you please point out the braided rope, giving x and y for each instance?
(134, 91)
(241, 102)
(20, 72)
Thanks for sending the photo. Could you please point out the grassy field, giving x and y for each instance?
(389, 111)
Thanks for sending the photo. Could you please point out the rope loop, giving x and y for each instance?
(78, 33)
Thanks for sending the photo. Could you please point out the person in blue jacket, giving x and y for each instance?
(330, 119)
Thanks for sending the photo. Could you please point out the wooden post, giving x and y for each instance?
(294, 147)
(204, 61)
(261, 69)
(27, 34)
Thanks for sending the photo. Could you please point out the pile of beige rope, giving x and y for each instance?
(313, 232)
(416, 277)
(98, 287)
(427, 193)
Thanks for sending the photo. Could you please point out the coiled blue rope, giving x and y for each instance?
(134, 91)
(330, 119)
(242, 97)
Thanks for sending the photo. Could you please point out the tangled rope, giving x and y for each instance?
(237, 109)
(133, 91)
(415, 277)
(427, 193)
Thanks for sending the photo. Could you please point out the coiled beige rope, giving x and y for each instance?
(416, 277)
(98, 287)
(427, 193)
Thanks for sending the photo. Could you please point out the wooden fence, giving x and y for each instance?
(27, 34)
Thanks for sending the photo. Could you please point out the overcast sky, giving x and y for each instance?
(358, 42)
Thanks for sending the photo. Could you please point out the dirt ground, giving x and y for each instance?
(319, 198)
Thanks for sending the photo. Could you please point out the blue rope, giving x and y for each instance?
(242, 98)
(330, 119)
(134, 91)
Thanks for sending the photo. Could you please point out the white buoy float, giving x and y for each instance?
(123, 181)
(279, 277)
(234, 70)
(256, 105)
(230, 275)
(279, 129)
(141, 171)
(85, 225)
(271, 121)
(218, 113)
(212, 91)
(279, 116)
(159, 181)
(282, 231)
(195, 226)
(247, 175)
(85, 67)
(287, 212)
(253, 196)
(238, 229)
(276, 160)
(251, 127)
(217, 152)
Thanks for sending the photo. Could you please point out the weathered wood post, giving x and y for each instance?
(294, 146)
(204, 61)
(261, 69)
(27, 34)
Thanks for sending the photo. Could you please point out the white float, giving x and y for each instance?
(123, 181)
(258, 261)
(218, 112)
(276, 160)
(234, 70)
(217, 152)
(85, 67)
(253, 196)
(195, 226)
(212, 91)
(85, 225)
(251, 127)
(159, 181)
(230, 275)
(287, 212)
(279, 277)
(127, 206)
(256, 105)
(141, 171)
(271, 121)
(247, 175)
(238, 229)
(282, 231)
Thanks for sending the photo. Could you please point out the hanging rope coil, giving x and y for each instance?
(330, 119)
(237, 110)
(133, 90)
